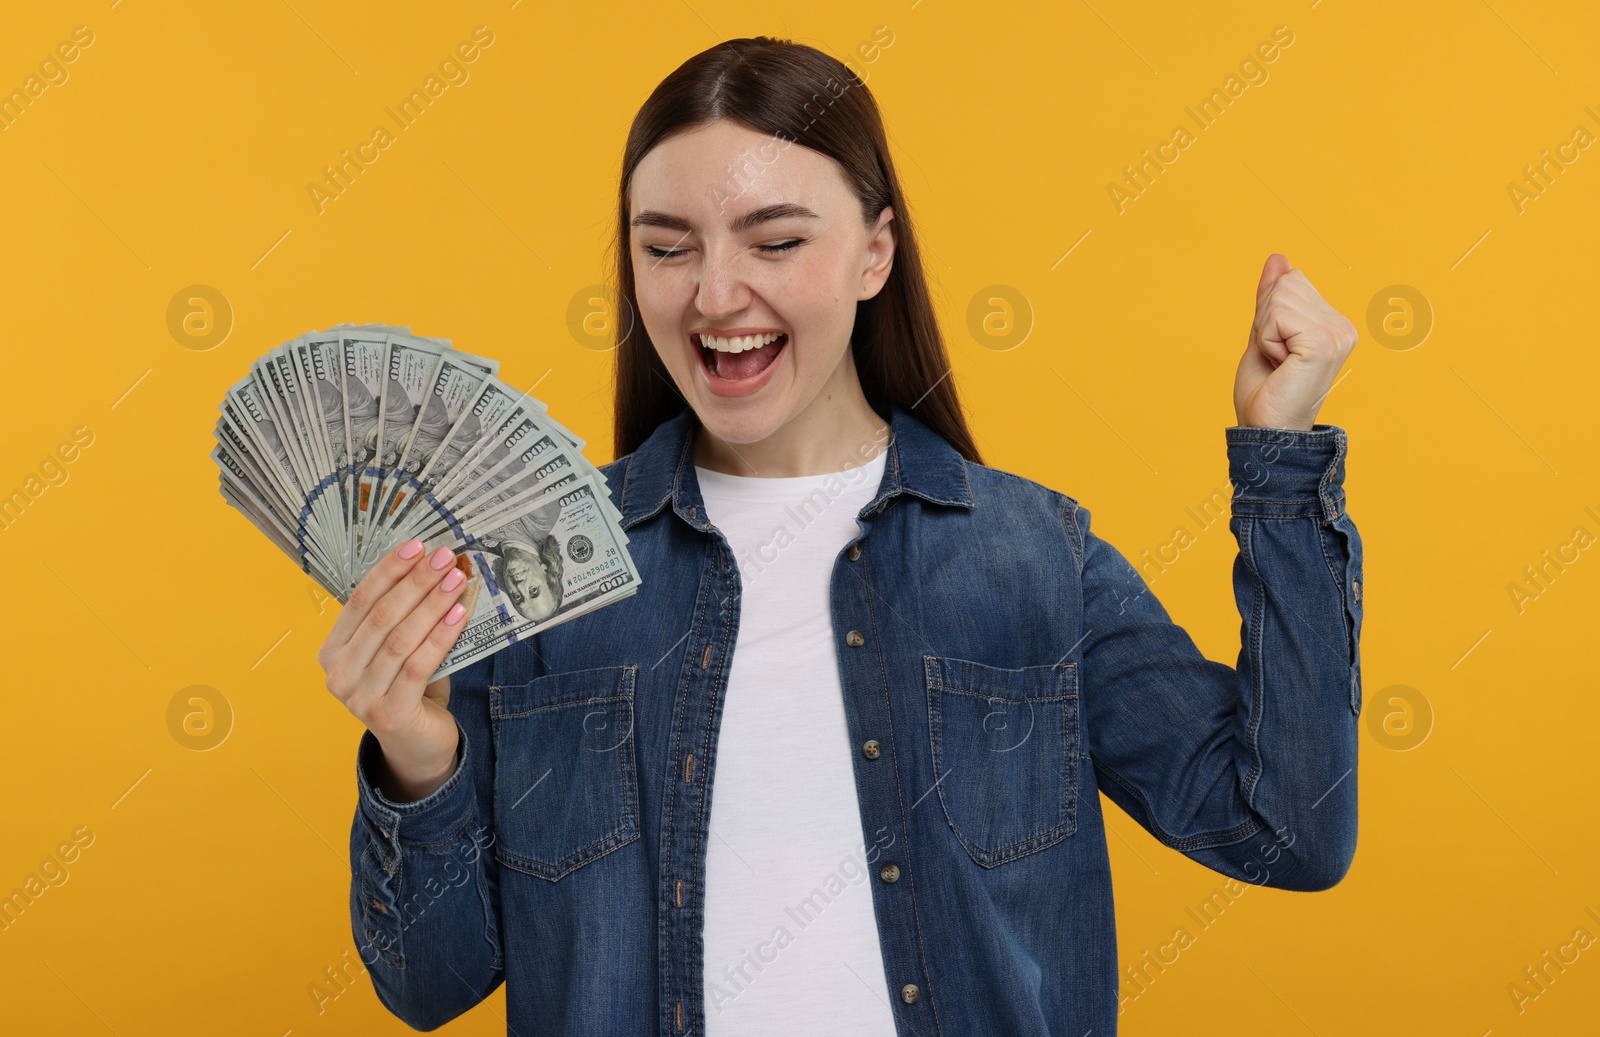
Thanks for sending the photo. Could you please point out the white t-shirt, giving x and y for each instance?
(783, 954)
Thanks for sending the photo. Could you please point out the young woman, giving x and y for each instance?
(836, 767)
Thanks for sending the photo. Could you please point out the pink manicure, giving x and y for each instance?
(440, 558)
(452, 580)
(453, 617)
(410, 549)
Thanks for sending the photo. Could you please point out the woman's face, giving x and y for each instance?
(796, 271)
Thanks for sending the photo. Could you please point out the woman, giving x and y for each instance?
(908, 675)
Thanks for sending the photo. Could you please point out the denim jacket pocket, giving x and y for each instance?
(566, 787)
(1005, 754)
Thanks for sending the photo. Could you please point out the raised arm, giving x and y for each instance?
(1250, 770)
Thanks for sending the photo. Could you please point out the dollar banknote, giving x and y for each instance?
(342, 444)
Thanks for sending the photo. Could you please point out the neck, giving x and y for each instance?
(838, 430)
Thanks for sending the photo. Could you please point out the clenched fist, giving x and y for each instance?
(1297, 345)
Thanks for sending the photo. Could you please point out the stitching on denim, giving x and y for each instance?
(727, 608)
(1352, 630)
(899, 486)
(627, 474)
(1333, 573)
(1256, 661)
(1070, 523)
(574, 699)
(443, 844)
(1332, 509)
(1036, 841)
(1300, 501)
(669, 799)
(625, 832)
(673, 786)
(986, 696)
(492, 913)
(912, 869)
(386, 923)
(549, 872)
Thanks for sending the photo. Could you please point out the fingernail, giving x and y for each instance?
(411, 548)
(453, 617)
(452, 580)
(440, 558)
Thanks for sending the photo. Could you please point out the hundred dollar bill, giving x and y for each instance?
(280, 391)
(475, 456)
(242, 472)
(248, 410)
(549, 564)
(445, 406)
(364, 354)
(409, 372)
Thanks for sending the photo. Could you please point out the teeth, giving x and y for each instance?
(738, 344)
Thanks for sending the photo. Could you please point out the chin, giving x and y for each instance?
(751, 422)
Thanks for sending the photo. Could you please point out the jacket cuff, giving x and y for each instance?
(1287, 473)
(432, 819)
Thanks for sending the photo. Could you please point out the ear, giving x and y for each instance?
(880, 255)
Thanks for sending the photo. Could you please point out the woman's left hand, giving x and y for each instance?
(1297, 345)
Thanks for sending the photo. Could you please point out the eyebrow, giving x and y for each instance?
(765, 214)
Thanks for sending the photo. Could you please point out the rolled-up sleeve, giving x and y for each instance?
(1248, 769)
(424, 901)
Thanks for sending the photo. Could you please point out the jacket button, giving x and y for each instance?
(909, 993)
(855, 552)
(1355, 588)
(881, 505)
(854, 639)
(889, 873)
(871, 749)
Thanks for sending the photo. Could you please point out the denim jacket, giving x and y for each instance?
(1001, 666)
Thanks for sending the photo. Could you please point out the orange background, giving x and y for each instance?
(1377, 152)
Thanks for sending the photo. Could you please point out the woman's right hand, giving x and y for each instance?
(400, 622)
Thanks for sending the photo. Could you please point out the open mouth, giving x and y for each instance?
(740, 366)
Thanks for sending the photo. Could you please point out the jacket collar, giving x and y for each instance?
(661, 470)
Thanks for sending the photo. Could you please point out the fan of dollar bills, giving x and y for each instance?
(341, 445)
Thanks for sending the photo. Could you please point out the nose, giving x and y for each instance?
(722, 289)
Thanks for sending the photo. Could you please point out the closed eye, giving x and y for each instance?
(656, 252)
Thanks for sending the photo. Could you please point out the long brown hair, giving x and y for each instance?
(801, 95)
